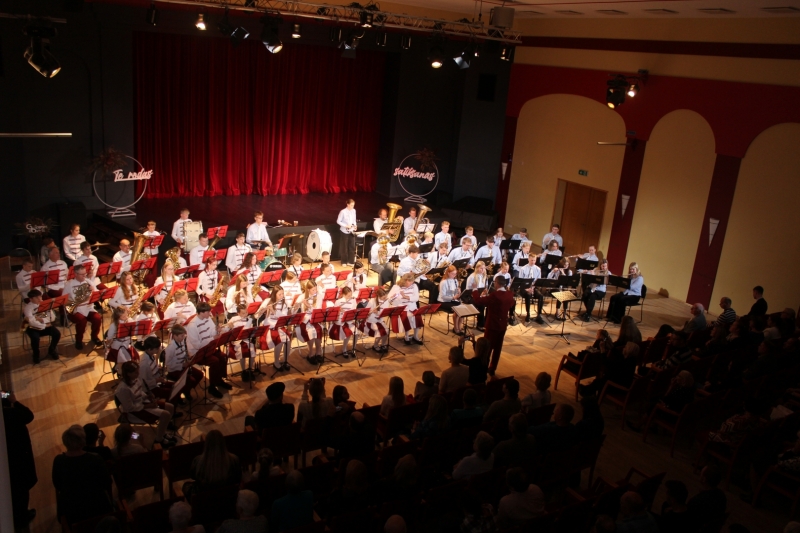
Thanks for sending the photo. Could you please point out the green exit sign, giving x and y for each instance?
(583, 173)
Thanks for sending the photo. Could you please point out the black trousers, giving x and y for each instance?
(36, 334)
(589, 298)
(617, 304)
(539, 301)
(347, 247)
(20, 497)
(386, 273)
(431, 287)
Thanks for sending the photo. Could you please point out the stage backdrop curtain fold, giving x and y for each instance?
(215, 120)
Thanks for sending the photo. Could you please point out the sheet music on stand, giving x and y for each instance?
(106, 269)
(425, 228)
(425, 248)
(153, 242)
(510, 244)
(461, 263)
(619, 281)
(466, 310)
(366, 293)
(585, 264)
(331, 295)
(44, 278)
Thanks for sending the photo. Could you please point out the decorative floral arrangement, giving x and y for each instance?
(35, 227)
(426, 158)
(111, 159)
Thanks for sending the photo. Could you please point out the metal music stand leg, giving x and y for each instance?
(323, 357)
(191, 415)
(389, 344)
(562, 335)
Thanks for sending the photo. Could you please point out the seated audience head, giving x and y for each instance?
(397, 390)
(275, 392)
(395, 524)
(511, 389)
(542, 382)
(215, 461)
(429, 378)
(483, 445)
(792, 527)
(294, 482)
(265, 459)
(684, 379)
(123, 435)
(631, 504)
(456, 356)
(470, 398)
(357, 421)
(677, 493)
(563, 414)
(340, 394)
(437, 409)
(246, 503)
(697, 309)
(517, 479)
(406, 472)
(74, 438)
(518, 426)
(482, 349)
(631, 349)
(180, 515)
(356, 476)
(92, 432)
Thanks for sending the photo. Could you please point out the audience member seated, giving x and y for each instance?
(520, 449)
(180, 516)
(524, 502)
(737, 335)
(696, 323)
(470, 414)
(246, 506)
(354, 494)
(404, 482)
(541, 396)
(509, 405)
(716, 344)
(294, 510)
(427, 387)
(768, 360)
(728, 315)
(677, 351)
(396, 396)
(359, 439)
(435, 421)
(479, 462)
(737, 427)
(395, 524)
(710, 503)
(479, 363)
(560, 434)
(341, 400)
(756, 327)
(620, 368)
(628, 332)
(478, 517)
(604, 524)
(455, 376)
(674, 512)
(602, 344)
(266, 467)
(633, 515)
(591, 424)
(215, 468)
(125, 442)
(274, 413)
(318, 406)
(81, 480)
(94, 441)
(680, 394)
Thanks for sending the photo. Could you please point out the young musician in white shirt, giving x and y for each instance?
(478, 281)
(123, 256)
(470, 234)
(344, 331)
(410, 221)
(595, 291)
(531, 271)
(200, 331)
(127, 292)
(151, 231)
(499, 236)
(383, 218)
(239, 293)
(177, 227)
(443, 236)
(207, 285)
(310, 333)
(450, 294)
(242, 351)
(490, 253)
(438, 257)
(422, 282)
(196, 253)
(291, 286)
(406, 293)
(55, 263)
(236, 253)
(561, 269)
(120, 350)
(40, 325)
(44, 252)
(276, 338)
(464, 252)
(357, 279)
(385, 271)
(85, 312)
(552, 249)
(249, 269)
(347, 226)
(552, 236)
(147, 312)
(91, 263)
(522, 235)
(296, 265)
(181, 308)
(72, 243)
(168, 278)
(141, 406)
(176, 359)
(257, 231)
(23, 278)
(326, 280)
(374, 326)
(618, 302)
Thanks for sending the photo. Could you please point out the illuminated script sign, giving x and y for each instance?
(119, 175)
(417, 174)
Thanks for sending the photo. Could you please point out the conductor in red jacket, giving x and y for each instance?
(497, 303)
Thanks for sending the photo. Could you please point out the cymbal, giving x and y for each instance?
(290, 235)
(99, 244)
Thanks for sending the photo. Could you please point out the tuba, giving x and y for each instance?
(383, 251)
(80, 295)
(173, 255)
(393, 209)
(136, 255)
(423, 210)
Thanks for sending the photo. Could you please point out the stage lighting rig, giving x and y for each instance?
(200, 24)
(296, 32)
(463, 59)
(38, 54)
(269, 34)
(152, 14)
(620, 86)
(507, 53)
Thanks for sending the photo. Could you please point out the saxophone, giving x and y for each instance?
(137, 305)
(172, 255)
(217, 293)
(80, 295)
(167, 301)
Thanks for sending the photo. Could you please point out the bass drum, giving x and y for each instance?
(191, 234)
(318, 241)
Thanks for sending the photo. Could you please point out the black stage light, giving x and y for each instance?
(463, 59)
(224, 26)
(38, 54)
(365, 18)
(296, 33)
(269, 35)
(405, 42)
(336, 35)
(382, 39)
(352, 42)
(152, 15)
(615, 91)
(507, 53)
(239, 34)
(633, 90)
(200, 24)
(436, 56)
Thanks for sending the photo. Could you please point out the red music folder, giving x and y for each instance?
(219, 255)
(109, 268)
(220, 231)
(153, 242)
(187, 270)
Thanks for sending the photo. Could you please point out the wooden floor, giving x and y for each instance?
(75, 390)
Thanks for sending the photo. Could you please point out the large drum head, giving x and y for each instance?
(318, 241)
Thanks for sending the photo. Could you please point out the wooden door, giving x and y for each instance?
(582, 217)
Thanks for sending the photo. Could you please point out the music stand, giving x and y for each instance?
(544, 283)
(465, 311)
(187, 270)
(219, 255)
(289, 321)
(107, 269)
(461, 263)
(330, 295)
(366, 293)
(177, 387)
(510, 245)
(44, 278)
(252, 335)
(518, 285)
(341, 275)
(585, 264)
(565, 297)
(323, 316)
(392, 312)
(550, 260)
(199, 355)
(428, 309)
(426, 248)
(619, 282)
(217, 231)
(153, 242)
(314, 273)
(361, 315)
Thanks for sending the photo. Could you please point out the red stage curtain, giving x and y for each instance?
(214, 120)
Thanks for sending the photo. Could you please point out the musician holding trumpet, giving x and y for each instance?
(347, 240)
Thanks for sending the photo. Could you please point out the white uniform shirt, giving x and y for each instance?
(24, 282)
(153, 318)
(519, 237)
(69, 289)
(152, 252)
(207, 283)
(232, 300)
(116, 344)
(498, 239)
(346, 305)
(408, 297)
(38, 321)
(125, 259)
(196, 255)
(246, 323)
(149, 370)
(448, 288)
(530, 272)
(493, 255)
(377, 224)
(63, 269)
(291, 289)
(257, 232)
(119, 299)
(472, 238)
(281, 309)
(175, 355)
(84, 260)
(177, 229)
(180, 311)
(549, 237)
(407, 266)
(346, 219)
(475, 281)
(326, 282)
(440, 238)
(456, 254)
(72, 246)
(373, 254)
(200, 332)
(408, 224)
(164, 292)
(297, 269)
(359, 283)
(236, 255)
(253, 274)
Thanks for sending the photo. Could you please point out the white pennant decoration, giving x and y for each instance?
(712, 229)
(504, 166)
(625, 199)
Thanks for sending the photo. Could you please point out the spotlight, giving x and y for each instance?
(615, 92)
(405, 42)
(200, 24)
(633, 90)
(382, 38)
(436, 56)
(296, 33)
(366, 19)
(152, 15)
(476, 50)
(224, 26)
(322, 11)
(336, 35)
(38, 54)
(239, 34)
(463, 59)
(507, 53)
(352, 42)
(269, 35)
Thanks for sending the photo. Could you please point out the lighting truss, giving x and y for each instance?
(352, 13)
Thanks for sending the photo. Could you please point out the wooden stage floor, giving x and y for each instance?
(74, 390)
